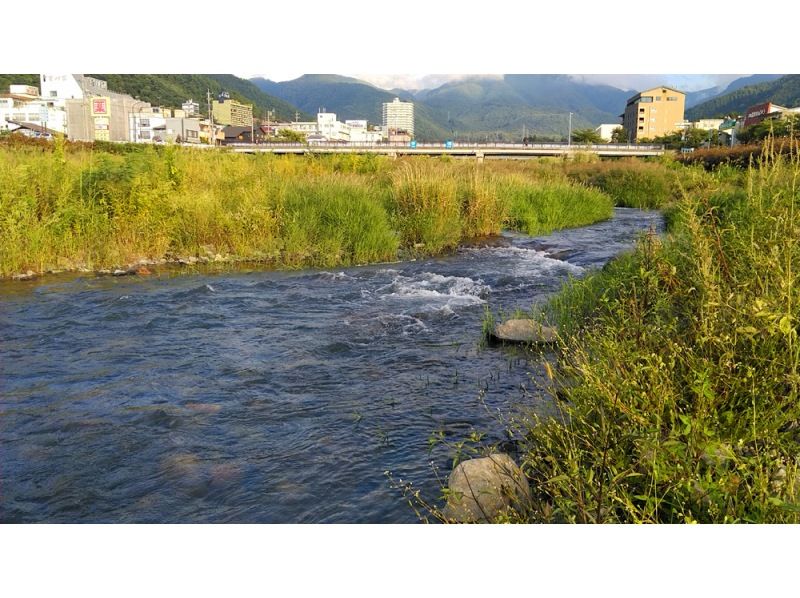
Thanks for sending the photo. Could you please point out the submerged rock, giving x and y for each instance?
(524, 331)
(481, 489)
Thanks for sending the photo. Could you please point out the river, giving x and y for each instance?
(260, 396)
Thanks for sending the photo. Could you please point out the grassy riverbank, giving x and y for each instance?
(679, 372)
(69, 206)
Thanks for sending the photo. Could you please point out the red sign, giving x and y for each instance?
(100, 106)
(755, 114)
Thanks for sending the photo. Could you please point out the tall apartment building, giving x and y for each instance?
(230, 112)
(398, 116)
(653, 112)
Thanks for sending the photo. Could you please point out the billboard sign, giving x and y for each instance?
(755, 114)
(101, 106)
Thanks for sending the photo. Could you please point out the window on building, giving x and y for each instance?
(646, 99)
(641, 128)
(145, 122)
(641, 110)
(144, 134)
(53, 93)
(641, 119)
(672, 99)
(658, 98)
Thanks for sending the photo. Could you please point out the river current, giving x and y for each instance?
(261, 396)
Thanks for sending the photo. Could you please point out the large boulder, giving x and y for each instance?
(524, 331)
(480, 489)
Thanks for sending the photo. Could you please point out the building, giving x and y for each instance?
(398, 117)
(360, 132)
(60, 88)
(240, 134)
(332, 129)
(755, 114)
(191, 108)
(606, 131)
(327, 129)
(708, 124)
(23, 109)
(92, 111)
(147, 127)
(653, 112)
(226, 111)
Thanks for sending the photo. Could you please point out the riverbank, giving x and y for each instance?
(66, 207)
(679, 369)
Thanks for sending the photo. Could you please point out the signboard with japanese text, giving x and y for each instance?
(101, 106)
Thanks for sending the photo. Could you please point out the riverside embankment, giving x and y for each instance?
(69, 207)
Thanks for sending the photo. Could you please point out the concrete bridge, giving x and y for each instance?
(475, 150)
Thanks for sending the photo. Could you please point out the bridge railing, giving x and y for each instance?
(456, 146)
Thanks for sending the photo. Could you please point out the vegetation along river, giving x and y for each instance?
(261, 396)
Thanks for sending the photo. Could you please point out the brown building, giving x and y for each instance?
(653, 112)
(230, 112)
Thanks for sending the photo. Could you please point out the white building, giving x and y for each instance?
(360, 133)
(147, 127)
(327, 129)
(398, 116)
(191, 108)
(332, 129)
(23, 106)
(606, 131)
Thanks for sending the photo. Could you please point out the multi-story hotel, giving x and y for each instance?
(230, 112)
(398, 116)
(653, 112)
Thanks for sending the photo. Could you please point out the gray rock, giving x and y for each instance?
(480, 489)
(29, 275)
(525, 331)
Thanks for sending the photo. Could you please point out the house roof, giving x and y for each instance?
(644, 91)
(33, 127)
(235, 130)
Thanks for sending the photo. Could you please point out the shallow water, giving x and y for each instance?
(266, 396)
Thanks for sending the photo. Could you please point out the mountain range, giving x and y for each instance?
(782, 90)
(476, 108)
(505, 106)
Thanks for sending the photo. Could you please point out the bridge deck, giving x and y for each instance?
(499, 150)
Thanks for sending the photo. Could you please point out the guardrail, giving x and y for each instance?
(464, 146)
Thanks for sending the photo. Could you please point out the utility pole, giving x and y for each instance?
(211, 135)
(569, 134)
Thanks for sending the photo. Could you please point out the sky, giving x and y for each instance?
(690, 82)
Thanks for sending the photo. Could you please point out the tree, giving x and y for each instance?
(586, 136)
(291, 136)
(789, 126)
(619, 135)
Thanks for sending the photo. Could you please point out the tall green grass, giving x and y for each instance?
(65, 205)
(680, 370)
(540, 209)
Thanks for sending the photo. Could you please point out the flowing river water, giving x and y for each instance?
(262, 396)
